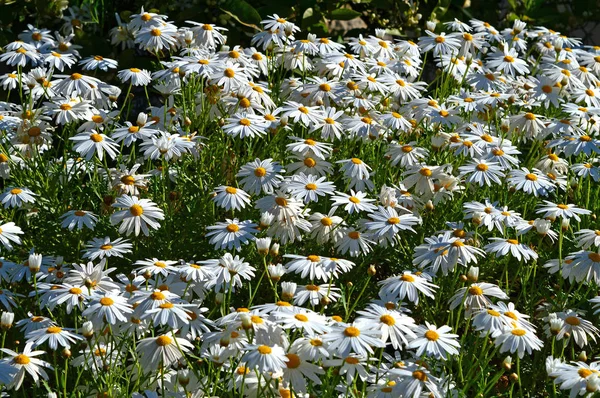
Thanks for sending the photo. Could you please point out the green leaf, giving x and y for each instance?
(344, 14)
(242, 12)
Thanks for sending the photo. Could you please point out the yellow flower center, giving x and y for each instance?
(475, 291)
(229, 73)
(419, 375)
(264, 349)
(531, 177)
(293, 361)
(387, 320)
(326, 221)
(162, 341)
(233, 228)
(573, 321)
(432, 335)
(106, 301)
(407, 278)
(136, 210)
(231, 190)
(351, 331)
(21, 359)
(595, 257)
(53, 330)
(96, 137)
(281, 201)
(301, 317)
(518, 332)
(425, 172)
(310, 162)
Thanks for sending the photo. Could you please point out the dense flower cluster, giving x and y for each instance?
(372, 235)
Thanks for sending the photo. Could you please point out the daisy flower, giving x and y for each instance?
(309, 147)
(138, 214)
(354, 203)
(507, 61)
(265, 358)
(231, 234)
(244, 125)
(531, 182)
(162, 351)
(475, 297)
(564, 211)
(396, 288)
(108, 308)
(10, 232)
(261, 176)
(25, 362)
(16, 197)
(88, 144)
(354, 243)
(356, 338)
(298, 371)
(95, 62)
(501, 247)
(127, 181)
(135, 76)
(518, 340)
(154, 266)
(434, 341)
(577, 327)
(586, 238)
(54, 335)
(104, 247)
(482, 172)
(395, 326)
(309, 188)
(79, 219)
(386, 224)
(231, 198)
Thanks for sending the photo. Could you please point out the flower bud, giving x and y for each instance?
(274, 249)
(288, 289)
(473, 274)
(276, 272)
(582, 356)
(371, 271)
(507, 363)
(262, 245)
(246, 321)
(183, 377)
(66, 353)
(514, 377)
(430, 25)
(6, 320)
(35, 262)
(564, 224)
(219, 298)
(87, 329)
(542, 226)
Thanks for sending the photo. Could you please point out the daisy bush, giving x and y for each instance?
(303, 217)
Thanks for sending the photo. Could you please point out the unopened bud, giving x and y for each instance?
(507, 363)
(87, 329)
(246, 321)
(6, 320)
(473, 274)
(371, 271)
(219, 297)
(582, 356)
(66, 353)
(514, 377)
